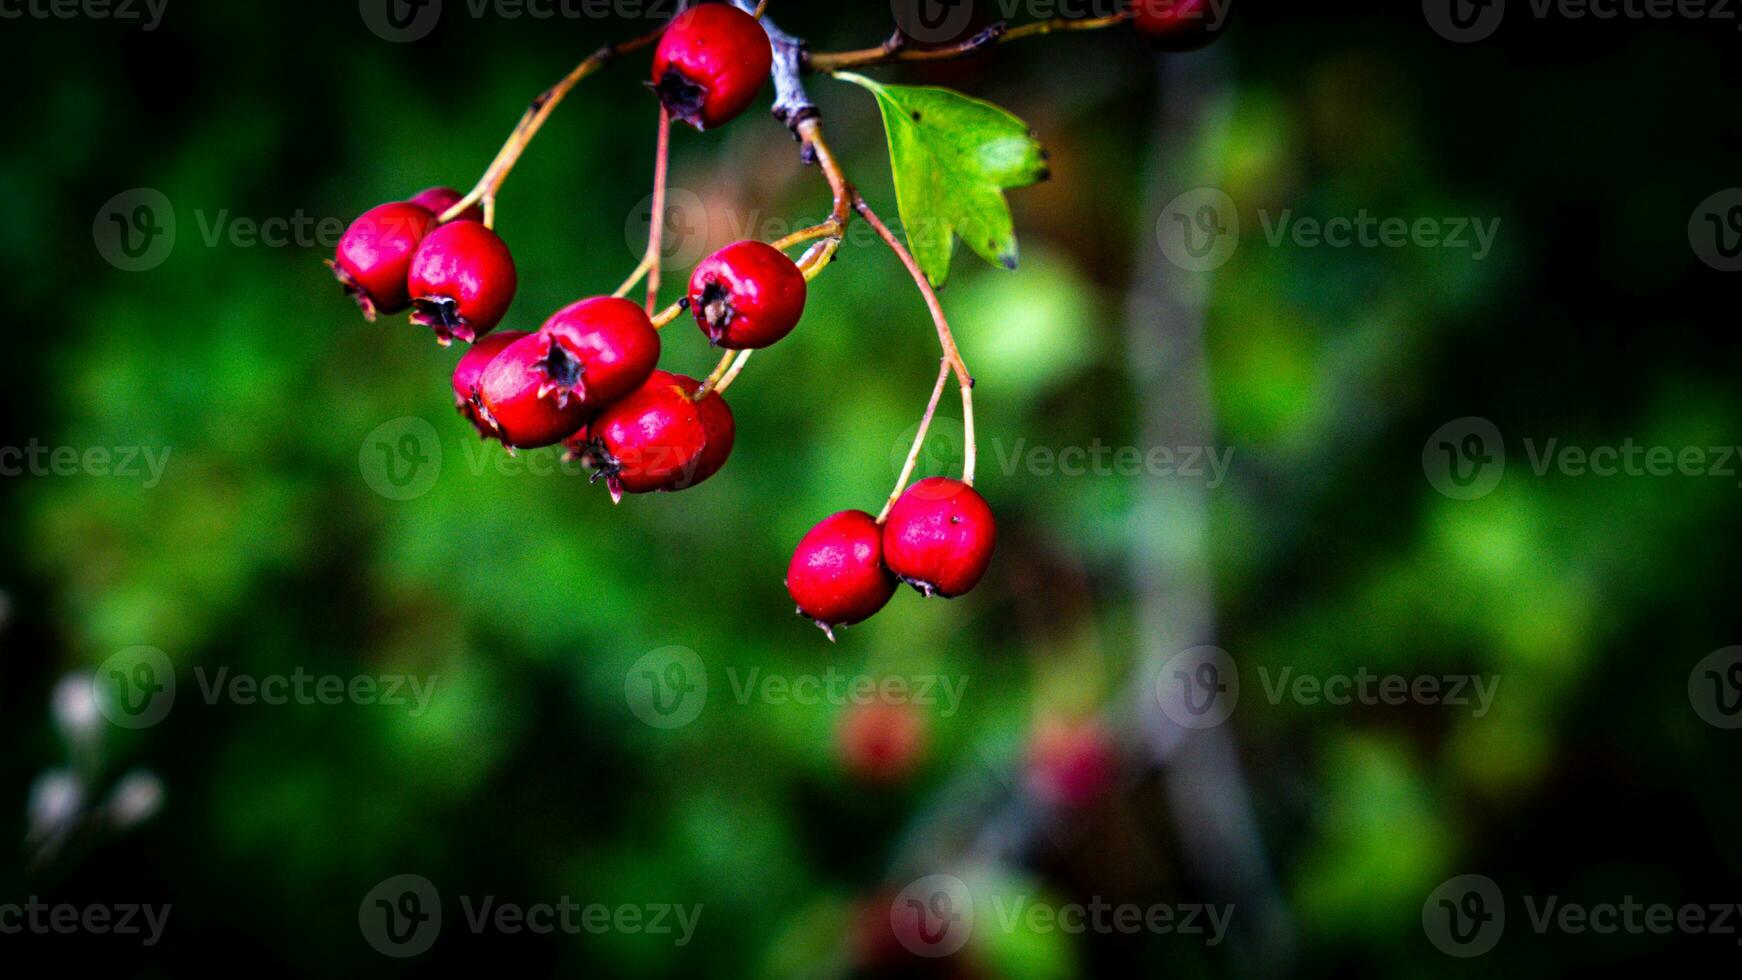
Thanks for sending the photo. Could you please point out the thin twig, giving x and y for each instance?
(484, 192)
(931, 409)
(896, 49)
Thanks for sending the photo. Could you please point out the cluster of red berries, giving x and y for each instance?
(588, 379)
(937, 538)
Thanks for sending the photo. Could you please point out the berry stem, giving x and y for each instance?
(670, 313)
(656, 227)
(896, 49)
(737, 368)
(931, 409)
(532, 121)
(634, 277)
(952, 356)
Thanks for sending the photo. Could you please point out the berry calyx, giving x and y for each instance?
(375, 253)
(1175, 25)
(598, 351)
(837, 576)
(939, 537)
(651, 440)
(470, 371)
(710, 63)
(439, 199)
(508, 403)
(747, 295)
(462, 279)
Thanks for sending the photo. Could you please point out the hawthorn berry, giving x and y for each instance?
(597, 351)
(939, 537)
(509, 404)
(837, 576)
(375, 253)
(439, 199)
(747, 295)
(470, 371)
(652, 440)
(1175, 25)
(1071, 764)
(882, 741)
(720, 430)
(710, 63)
(462, 279)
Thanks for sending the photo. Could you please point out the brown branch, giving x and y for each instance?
(896, 49)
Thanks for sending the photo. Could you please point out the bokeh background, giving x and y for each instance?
(530, 602)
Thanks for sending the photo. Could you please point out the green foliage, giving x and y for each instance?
(953, 158)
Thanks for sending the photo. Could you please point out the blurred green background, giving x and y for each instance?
(530, 600)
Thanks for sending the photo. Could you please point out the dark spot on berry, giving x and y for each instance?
(955, 519)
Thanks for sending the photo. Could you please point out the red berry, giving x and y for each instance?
(721, 431)
(439, 199)
(747, 295)
(374, 255)
(882, 741)
(837, 575)
(599, 350)
(470, 371)
(651, 440)
(462, 280)
(1071, 764)
(510, 405)
(939, 537)
(1176, 25)
(710, 63)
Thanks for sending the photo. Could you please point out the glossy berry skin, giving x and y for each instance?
(598, 350)
(470, 371)
(649, 441)
(710, 63)
(720, 431)
(1175, 25)
(747, 295)
(882, 741)
(462, 280)
(509, 405)
(837, 576)
(374, 256)
(439, 199)
(939, 537)
(1071, 764)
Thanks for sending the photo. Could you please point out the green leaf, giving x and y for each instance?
(953, 158)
